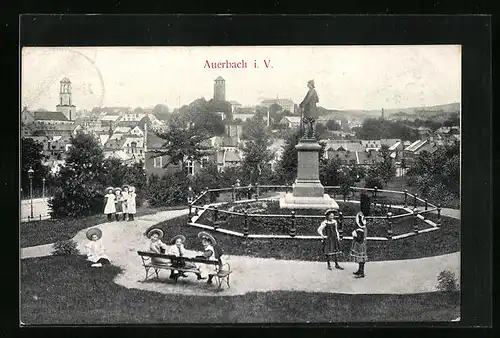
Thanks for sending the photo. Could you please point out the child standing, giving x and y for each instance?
(109, 208)
(358, 249)
(331, 239)
(131, 203)
(118, 203)
(125, 195)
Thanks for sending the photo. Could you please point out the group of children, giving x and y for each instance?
(120, 202)
(328, 230)
(211, 251)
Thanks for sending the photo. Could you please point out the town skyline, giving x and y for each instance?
(383, 77)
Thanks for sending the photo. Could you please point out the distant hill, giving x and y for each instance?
(439, 112)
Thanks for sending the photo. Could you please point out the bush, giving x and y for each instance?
(65, 248)
(447, 281)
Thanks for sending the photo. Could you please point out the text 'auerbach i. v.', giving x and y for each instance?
(241, 64)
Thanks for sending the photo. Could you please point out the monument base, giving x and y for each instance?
(299, 202)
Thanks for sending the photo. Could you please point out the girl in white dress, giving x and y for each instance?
(131, 203)
(209, 253)
(109, 208)
(95, 249)
(157, 246)
(125, 194)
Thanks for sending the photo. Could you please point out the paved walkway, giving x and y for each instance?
(250, 274)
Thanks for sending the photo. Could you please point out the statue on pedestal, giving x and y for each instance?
(309, 111)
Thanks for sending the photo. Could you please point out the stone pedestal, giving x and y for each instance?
(308, 192)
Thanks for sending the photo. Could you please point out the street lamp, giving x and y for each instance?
(43, 188)
(30, 175)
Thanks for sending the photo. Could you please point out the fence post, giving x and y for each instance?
(390, 208)
(40, 217)
(341, 225)
(415, 220)
(425, 202)
(389, 225)
(208, 196)
(406, 196)
(292, 228)
(233, 194)
(257, 191)
(190, 211)
(245, 226)
(374, 197)
(216, 214)
(249, 192)
(438, 222)
(414, 201)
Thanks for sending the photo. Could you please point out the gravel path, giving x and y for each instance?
(123, 239)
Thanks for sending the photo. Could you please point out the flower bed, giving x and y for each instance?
(265, 225)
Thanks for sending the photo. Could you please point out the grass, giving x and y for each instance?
(65, 290)
(443, 241)
(304, 226)
(53, 230)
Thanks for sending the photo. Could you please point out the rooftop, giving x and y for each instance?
(49, 116)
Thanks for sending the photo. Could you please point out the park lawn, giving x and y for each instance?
(443, 241)
(65, 290)
(53, 230)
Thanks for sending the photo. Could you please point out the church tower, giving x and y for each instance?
(220, 89)
(65, 106)
(382, 113)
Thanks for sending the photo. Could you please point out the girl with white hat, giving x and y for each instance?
(109, 208)
(358, 249)
(131, 203)
(118, 203)
(95, 249)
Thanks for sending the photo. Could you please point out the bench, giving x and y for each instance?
(223, 271)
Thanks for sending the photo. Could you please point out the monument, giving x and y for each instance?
(308, 192)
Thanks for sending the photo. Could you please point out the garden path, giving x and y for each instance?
(251, 274)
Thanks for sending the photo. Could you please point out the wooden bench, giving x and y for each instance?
(223, 271)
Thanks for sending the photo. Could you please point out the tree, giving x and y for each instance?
(183, 143)
(79, 182)
(329, 172)
(332, 125)
(32, 157)
(372, 178)
(161, 111)
(255, 167)
(168, 190)
(437, 175)
(286, 170)
(138, 110)
(386, 169)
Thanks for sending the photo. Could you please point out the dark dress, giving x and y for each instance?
(331, 244)
(358, 248)
(119, 204)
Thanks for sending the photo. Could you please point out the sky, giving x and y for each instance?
(346, 77)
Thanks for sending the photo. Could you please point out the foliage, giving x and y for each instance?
(376, 129)
(79, 182)
(386, 168)
(182, 143)
(437, 175)
(447, 281)
(332, 125)
(210, 177)
(257, 155)
(329, 172)
(161, 111)
(65, 248)
(118, 174)
(168, 190)
(32, 157)
(373, 179)
(286, 170)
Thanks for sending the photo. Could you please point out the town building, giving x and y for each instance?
(286, 104)
(290, 121)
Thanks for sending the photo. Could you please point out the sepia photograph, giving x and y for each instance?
(240, 184)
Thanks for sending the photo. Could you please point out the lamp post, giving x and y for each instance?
(43, 188)
(30, 175)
